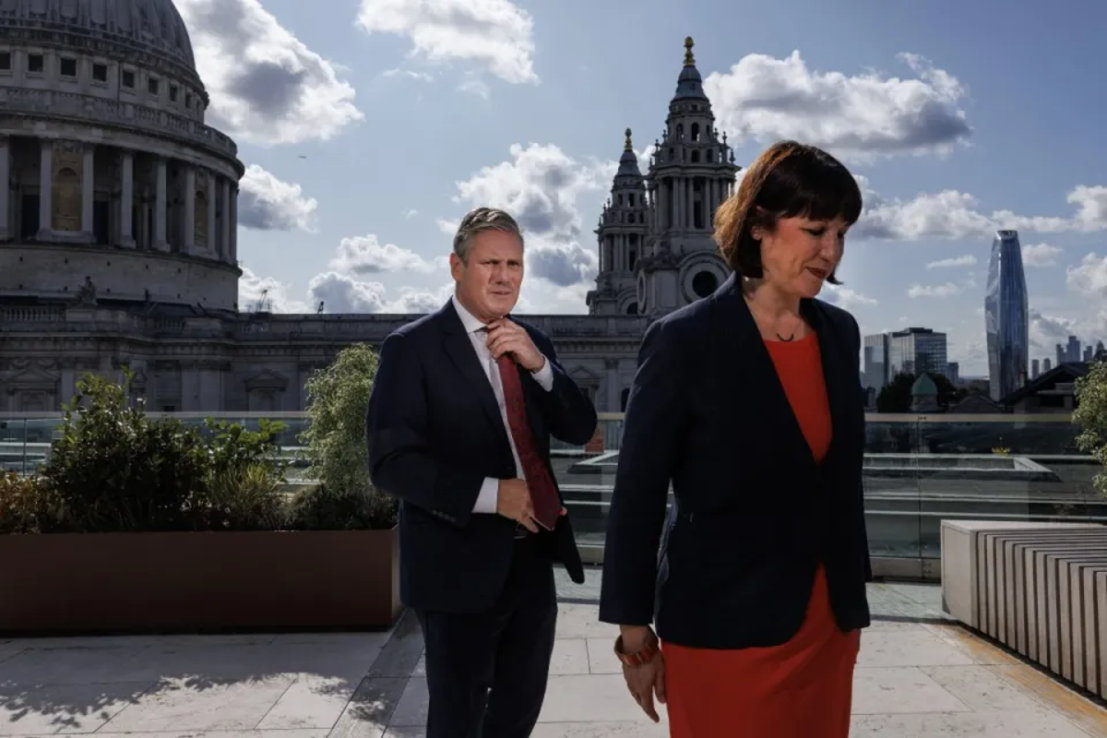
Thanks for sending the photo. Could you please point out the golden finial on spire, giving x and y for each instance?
(627, 146)
(689, 60)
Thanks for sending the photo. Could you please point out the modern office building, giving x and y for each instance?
(1006, 316)
(917, 350)
(874, 361)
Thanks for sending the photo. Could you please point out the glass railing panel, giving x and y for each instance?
(918, 470)
(1002, 467)
(586, 475)
(890, 477)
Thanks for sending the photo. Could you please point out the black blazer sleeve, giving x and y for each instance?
(396, 427)
(652, 431)
(568, 411)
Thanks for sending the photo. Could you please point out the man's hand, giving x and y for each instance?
(508, 337)
(645, 682)
(513, 502)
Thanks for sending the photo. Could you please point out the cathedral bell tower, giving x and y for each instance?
(691, 172)
(622, 233)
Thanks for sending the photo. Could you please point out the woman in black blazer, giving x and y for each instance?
(749, 401)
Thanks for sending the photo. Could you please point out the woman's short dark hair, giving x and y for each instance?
(787, 180)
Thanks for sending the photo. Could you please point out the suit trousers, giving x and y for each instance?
(487, 672)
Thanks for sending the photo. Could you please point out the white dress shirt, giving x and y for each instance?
(478, 336)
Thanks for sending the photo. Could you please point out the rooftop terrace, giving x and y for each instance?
(919, 675)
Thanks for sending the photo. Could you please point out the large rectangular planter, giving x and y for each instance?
(199, 582)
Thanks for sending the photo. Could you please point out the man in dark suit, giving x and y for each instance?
(459, 424)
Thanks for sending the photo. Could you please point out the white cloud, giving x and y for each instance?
(1040, 255)
(942, 290)
(266, 86)
(363, 255)
(1046, 331)
(541, 186)
(858, 118)
(344, 293)
(953, 215)
(266, 295)
(846, 298)
(1089, 278)
(496, 35)
(957, 261)
(266, 203)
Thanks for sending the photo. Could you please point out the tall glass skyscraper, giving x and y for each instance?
(1006, 316)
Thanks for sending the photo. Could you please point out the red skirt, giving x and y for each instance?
(801, 689)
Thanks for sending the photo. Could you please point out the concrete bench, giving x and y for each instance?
(1038, 588)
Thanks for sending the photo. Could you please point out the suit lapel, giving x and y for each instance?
(737, 321)
(834, 375)
(459, 348)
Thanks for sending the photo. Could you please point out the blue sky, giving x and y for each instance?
(368, 126)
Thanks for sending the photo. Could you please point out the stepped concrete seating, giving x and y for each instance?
(1038, 588)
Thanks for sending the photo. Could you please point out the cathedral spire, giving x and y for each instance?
(689, 60)
(627, 145)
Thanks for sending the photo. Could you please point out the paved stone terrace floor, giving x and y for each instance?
(919, 676)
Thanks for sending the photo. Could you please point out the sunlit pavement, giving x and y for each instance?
(917, 676)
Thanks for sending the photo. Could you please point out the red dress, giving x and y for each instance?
(803, 688)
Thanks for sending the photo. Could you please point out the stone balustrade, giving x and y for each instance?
(1038, 588)
(100, 110)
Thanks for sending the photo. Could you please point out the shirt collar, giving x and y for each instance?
(471, 322)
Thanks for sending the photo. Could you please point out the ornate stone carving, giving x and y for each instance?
(86, 294)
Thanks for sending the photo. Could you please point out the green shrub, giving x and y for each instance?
(246, 497)
(1091, 416)
(23, 502)
(335, 445)
(113, 469)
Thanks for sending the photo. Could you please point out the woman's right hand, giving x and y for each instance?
(646, 682)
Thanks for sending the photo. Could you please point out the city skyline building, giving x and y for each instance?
(1006, 316)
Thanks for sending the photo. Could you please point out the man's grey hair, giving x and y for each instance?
(480, 220)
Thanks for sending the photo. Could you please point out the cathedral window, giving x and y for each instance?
(153, 85)
(5, 61)
(173, 93)
(100, 73)
(695, 157)
(630, 199)
(67, 66)
(696, 132)
(127, 78)
(36, 63)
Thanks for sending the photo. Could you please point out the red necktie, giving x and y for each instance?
(543, 493)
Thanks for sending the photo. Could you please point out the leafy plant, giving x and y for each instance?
(22, 503)
(1091, 416)
(335, 444)
(235, 447)
(114, 469)
(246, 497)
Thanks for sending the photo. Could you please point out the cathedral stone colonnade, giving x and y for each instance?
(119, 215)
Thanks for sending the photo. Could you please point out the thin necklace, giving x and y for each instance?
(786, 340)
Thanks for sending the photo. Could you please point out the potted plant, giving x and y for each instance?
(139, 524)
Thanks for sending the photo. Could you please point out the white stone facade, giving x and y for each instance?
(118, 221)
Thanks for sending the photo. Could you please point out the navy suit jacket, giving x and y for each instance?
(754, 513)
(434, 432)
